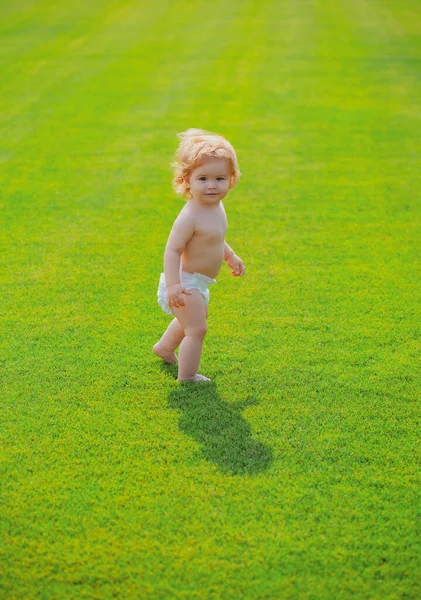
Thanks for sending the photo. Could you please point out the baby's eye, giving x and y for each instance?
(220, 178)
(202, 178)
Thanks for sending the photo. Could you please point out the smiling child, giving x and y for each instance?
(205, 169)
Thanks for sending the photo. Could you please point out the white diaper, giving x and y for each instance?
(189, 281)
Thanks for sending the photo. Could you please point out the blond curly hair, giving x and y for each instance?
(197, 145)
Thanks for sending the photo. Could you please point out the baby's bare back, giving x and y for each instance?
(204, 252)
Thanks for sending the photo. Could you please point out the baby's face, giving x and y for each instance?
(209, 182)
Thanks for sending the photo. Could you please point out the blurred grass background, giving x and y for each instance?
(295, 474)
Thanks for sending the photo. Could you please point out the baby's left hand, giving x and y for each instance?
(236, 265)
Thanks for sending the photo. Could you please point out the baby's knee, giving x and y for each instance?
(197, 331)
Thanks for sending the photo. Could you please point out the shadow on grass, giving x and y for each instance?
(220, 428)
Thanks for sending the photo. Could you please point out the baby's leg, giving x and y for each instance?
(192, 317)
(169, 342)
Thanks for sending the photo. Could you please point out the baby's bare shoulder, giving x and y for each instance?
(186, 218)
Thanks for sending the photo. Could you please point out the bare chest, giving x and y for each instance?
(212, 229)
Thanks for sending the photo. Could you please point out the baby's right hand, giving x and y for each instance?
(175, 295)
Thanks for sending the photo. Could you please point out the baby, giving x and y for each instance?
(205, 169)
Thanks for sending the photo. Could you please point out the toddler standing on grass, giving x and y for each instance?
(205, 169)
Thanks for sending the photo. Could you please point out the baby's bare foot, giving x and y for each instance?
(197, 377)
(167, 355)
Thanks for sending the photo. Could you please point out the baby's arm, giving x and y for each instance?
(233, 261)
(181, 233)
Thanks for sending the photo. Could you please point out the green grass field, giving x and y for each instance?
(295, 474)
